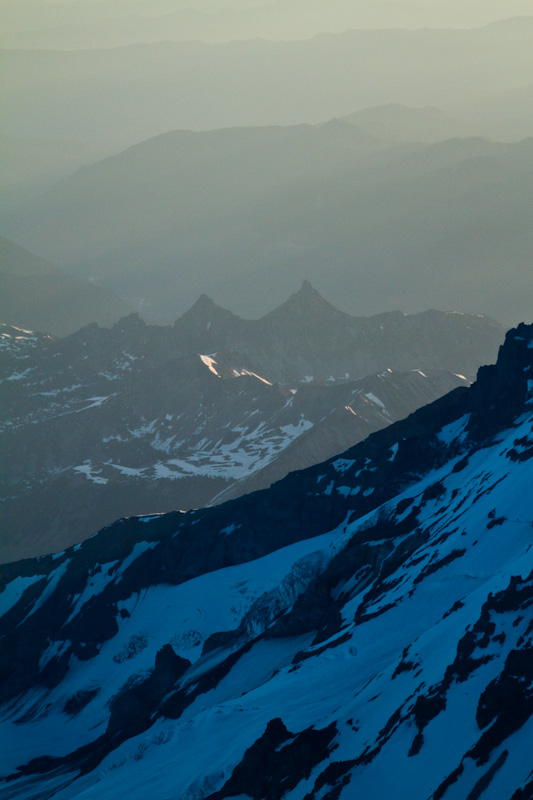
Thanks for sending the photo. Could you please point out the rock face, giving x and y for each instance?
(361, 627)
(136, 418)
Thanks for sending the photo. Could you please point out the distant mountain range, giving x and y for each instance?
(249, 213)
(360, 629)
(111, 422)
(31, 166)
(72, 26)
(123, 95)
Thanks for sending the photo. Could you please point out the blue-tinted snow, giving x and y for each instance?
(351, 683)
(14, 590)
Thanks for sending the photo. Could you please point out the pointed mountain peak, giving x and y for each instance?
(307, 294)
(307, 289)
(306, 301)
(205, 311)
(204, 301)
(203, 307)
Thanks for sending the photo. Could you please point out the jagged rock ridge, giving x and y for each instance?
(136, 418)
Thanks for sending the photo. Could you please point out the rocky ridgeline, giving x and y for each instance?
(137, 418)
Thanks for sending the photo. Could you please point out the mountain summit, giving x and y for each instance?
(204, 307)
(307, 302)
(362, 628)
(307, 294)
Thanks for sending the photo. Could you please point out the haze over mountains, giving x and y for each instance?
(249, 213)
(30, 166)
(146, 89)
(259, 162)
(108, 423)
(86, 25)
(36, 295)
(362, 628)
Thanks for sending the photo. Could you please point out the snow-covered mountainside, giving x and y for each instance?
(139, 418)
(361, 629)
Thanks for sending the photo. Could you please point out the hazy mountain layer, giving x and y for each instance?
(248, 213)
(126, 94)
(31, 166)
(81, 25)
(398, 123)
(362, 628)
(39, 296)
(109, 423)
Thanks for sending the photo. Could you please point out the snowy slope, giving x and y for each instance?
(361, 629)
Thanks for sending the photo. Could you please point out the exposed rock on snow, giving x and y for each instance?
(303, 642)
